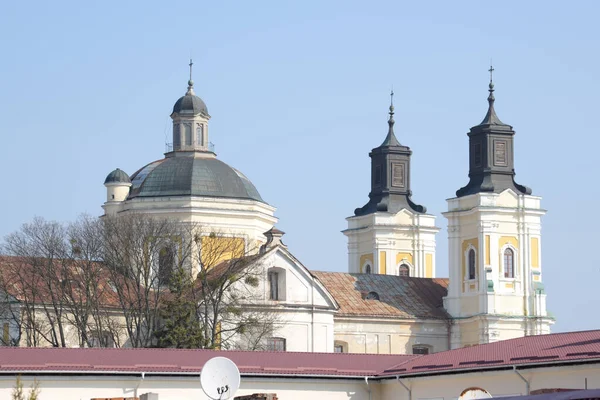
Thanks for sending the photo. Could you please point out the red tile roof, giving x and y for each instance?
(558, 347)
(399, 296)
(541, 350)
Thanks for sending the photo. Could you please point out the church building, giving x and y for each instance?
(389, 301)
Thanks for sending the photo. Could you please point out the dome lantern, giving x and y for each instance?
(190, 122)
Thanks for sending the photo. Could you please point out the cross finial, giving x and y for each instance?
(191, 64)
(491, 71)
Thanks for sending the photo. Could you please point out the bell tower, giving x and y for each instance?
(391, 234)
(494, 233)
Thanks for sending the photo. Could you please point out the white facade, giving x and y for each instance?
(384, 242)
(495, 289)
(304, 308)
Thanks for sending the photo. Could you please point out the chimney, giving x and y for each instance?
(273, 239)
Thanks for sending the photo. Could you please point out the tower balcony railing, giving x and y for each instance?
(210, 147)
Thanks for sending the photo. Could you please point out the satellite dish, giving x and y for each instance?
(474, 393)
(220, 378)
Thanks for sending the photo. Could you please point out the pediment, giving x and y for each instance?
(507, 198)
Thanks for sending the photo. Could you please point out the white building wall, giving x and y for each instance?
(187, 387)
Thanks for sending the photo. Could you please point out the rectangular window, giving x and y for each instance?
(338, 348)
(176, 137)
(477, 155)
(273, 286)
(378, 175)
(275, 344)
(420, 350)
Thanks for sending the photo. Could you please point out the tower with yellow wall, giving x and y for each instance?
(494, 232)
(391, 234)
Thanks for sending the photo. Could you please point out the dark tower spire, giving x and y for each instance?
(491, 154)
(390, 139)
(390, 175)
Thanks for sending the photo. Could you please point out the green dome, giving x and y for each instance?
(192, 176)
(117, 176)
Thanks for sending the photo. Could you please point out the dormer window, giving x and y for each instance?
(372, 296)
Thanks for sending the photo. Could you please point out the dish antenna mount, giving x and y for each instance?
(220, 378)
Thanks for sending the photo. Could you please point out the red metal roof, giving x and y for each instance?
(542, 349)
(558, 347)
(178, 361)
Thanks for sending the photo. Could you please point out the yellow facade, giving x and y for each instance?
(429, 265)
(216, 249)
(488, 257)
(382, 263)
(404, 256)
(535, 252)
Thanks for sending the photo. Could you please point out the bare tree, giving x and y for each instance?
(140, 253)
(103, 282)
(37, 274)
(228, 293)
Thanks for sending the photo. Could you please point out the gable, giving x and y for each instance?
(300, 285)
(507, 198)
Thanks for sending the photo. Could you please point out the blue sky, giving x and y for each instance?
(298, 92)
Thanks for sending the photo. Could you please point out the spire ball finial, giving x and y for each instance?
(491, 85)
(191, 82)
(392, 102)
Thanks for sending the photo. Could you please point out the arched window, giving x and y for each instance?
(471, 264)
(367, 269)
(509, 263)
(188, 134)
(404, 270)
(176, 137)
(166, 263)
(200, 134)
